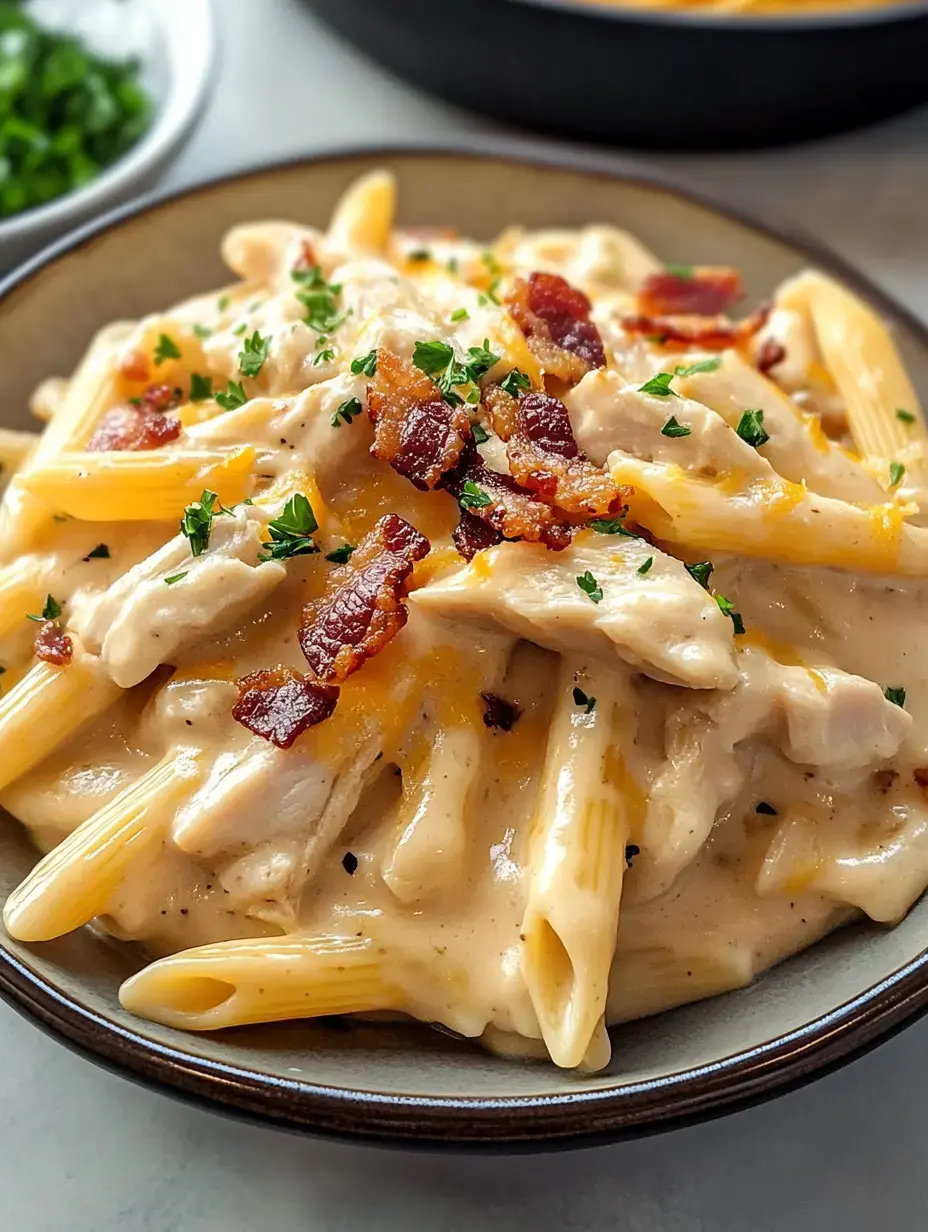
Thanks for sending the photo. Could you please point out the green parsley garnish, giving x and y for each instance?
(292, 533)
(480, 433)
(490, 295)
(197, 521)
(175, 577)
(100, 552)
(339, 555)
(672, 428)
(319, 299)
(419, 254)
(727, 608)
(896, 471)
(253, 354)
(751, 429)
(167, 348)
(460, 314)
(223, 302)
(201, 387)
(700, 572)
(51, 611)
(346, 412)
(680, 271)
(905, 416)
(323, 357)
(896, 696)
(659, 386)
(438, 361)
(473, 497)
(233, 398)
(514, 382)
(590, 587)
(240, 329)
(646, 567)
(584, 701)
(612, 526)
(701, 365)
(202, 331)
(365, 363)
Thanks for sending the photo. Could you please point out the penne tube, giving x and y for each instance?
(577, 860)
(771, 518)
(76, 880)
(48, 398)
(363, 216)
(863, 360)
(47, 706)
(149, 486)
(649, 979)
(234, 983)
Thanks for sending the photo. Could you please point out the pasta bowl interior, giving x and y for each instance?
(520, 635)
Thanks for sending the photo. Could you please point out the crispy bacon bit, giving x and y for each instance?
(160, 398)
(708, 291)
(471, 536)
(711, 333)
(513, 512)
(307, 257)
(498, 713)
(555, 317)
(53, 645)
(769, 355)
(130, 427)
(134, 367)
(920, 775)
(278, 705)
(545, 457)
(362, 608)
(415, 430)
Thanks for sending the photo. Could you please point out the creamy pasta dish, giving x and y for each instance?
(522, 637)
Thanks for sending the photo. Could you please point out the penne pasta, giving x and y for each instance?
(363, 217)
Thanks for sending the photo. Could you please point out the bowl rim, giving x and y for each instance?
(517, 1122)
(875, 14)
(176, 114)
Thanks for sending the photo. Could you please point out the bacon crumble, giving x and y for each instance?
(511, 511)
(707, 292)
(53, 645)
(770, 355)
(415, 430)
(555, 318)
(279, 704)
(362, 609)
(145, 426)
(714, 333)
(471, 536)
(498, 713)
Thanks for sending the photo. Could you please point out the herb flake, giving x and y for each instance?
(673, 428)
(584, 701)
(590, 587)
(751, 429)
(167, 348)
(659, 386)
(896, 696)
(292, 533)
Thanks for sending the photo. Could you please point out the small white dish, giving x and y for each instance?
(176, 41)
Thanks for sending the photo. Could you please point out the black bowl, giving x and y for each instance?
(653, 79)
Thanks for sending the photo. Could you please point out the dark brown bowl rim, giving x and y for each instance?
(875, 14)
(506, 1122)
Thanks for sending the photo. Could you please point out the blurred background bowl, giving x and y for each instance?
(635, 77)
(176, 42)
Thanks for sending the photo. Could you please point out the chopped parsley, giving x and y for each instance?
(253, 354)
(590, 587)
(673, 428)
(896, 471)
(52, 610)
(319, 298)
(223, 302)
(727, 608)
(167, 348)
(490, 295)
(201, 387)
(323, 357)
(339, 555)
(751, 429)
(460, 314)
(473, 497)
(240, 329)
(100, 552)
(480, 433)
(202, 331)
(233, 398)
(765, 809)
(646, 567)
(905, 416)
(438, 361)
(514, 382)
(482, 360)
(346, 412)
(701, 365)
(419, 254)
(700, 572)
(175, 577)
(197, 521)
(684, 272)
(584, 701)
(896, 696)
(612, 526)
(659, 386)
(292, 533)
(365, 363)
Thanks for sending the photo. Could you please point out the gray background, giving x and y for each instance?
(86, 1152)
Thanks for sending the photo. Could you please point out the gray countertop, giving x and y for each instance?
(87, 1152)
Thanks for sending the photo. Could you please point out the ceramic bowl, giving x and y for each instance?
(676, 79)
(177, 43)
(398, 1083)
